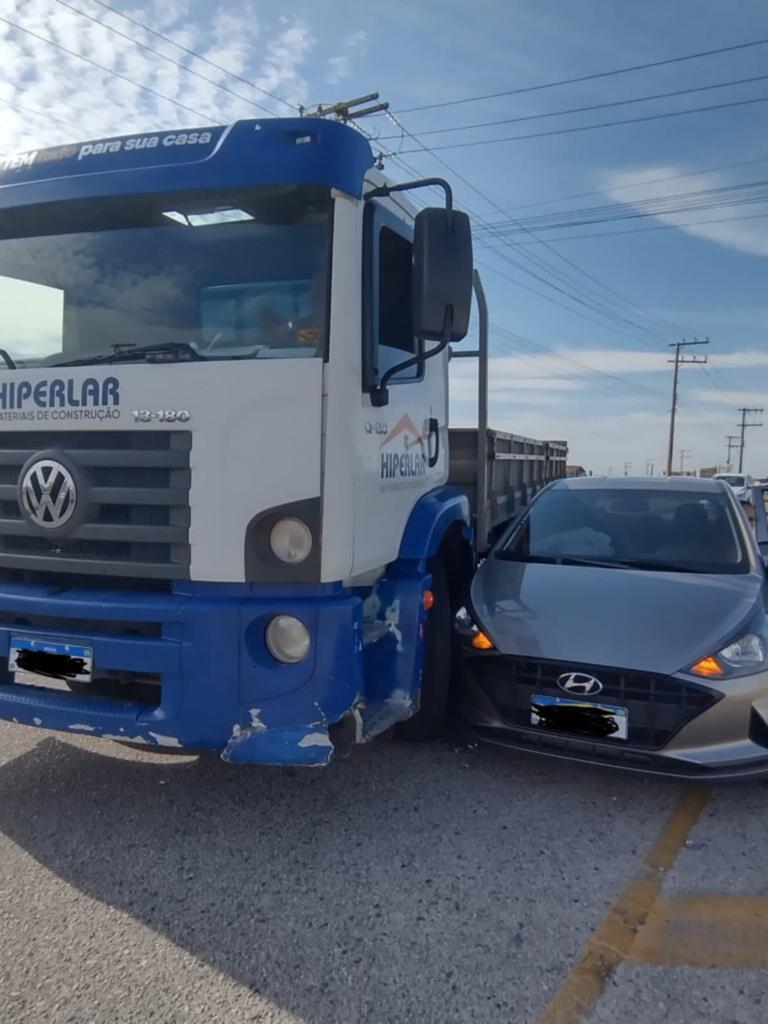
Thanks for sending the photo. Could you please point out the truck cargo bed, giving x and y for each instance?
(517, 467)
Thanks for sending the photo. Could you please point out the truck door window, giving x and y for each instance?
(388, 314)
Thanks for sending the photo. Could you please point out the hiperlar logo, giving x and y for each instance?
(60, 399)
(401, 468)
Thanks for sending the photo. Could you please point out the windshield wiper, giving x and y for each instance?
(660, 566)
(7, 359)
(597, 563)
(179, 351)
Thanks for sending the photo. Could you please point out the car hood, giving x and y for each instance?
(634, 619)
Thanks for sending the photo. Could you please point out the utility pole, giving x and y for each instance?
(733, 441)
(685, 453)
(679, 361)
(744, 413)
(627, 467)
(650, 466)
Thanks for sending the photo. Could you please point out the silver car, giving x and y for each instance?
(623, 622)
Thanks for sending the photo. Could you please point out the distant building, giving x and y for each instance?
(575, 471)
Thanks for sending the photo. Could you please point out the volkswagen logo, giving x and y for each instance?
(48, 494)
(579, 682)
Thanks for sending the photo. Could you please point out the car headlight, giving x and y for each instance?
(288, 639)
(470, 633)
(290, 540)
(742, 657)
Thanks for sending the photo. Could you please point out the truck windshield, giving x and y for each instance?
(664, 529)
(226, 275)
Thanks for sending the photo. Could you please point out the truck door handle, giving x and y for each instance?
(434, 430)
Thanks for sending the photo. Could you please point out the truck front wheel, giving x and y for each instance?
(429, 721)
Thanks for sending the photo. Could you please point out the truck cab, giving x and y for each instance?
(223, 442)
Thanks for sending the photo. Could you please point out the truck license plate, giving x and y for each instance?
(52, 664)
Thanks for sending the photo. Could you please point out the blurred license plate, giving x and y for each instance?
(47, 663)
(605, 721)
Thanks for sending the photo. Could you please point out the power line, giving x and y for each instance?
(581, 110)
(195, 54)
(602, 124)
(640, 184)
(586, 78)
(165, 57)
(543, 352)
(720, 196)
(655, 227)
(19, 109)
(103, 67)
(538, 262)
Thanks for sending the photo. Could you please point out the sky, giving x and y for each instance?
(581, 326)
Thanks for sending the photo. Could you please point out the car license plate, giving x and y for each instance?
(603, 721)
(52, 664)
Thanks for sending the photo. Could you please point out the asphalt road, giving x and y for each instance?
(405, 884)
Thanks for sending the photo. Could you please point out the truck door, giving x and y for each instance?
(402, 445)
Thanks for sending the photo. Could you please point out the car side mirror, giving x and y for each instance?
(442, 274)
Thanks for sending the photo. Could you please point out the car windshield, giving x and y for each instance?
(226, 275)
(733, 480)
(661, 528)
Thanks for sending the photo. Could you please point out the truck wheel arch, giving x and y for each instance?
(430, 519)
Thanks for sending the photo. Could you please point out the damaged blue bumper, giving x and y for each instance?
(189, 668)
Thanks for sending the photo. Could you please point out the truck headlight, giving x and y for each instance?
(288, 639)
(290, 540)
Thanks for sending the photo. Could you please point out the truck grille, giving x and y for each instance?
(138, 494)
(659, 706)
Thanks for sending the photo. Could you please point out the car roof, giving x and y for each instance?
(700, 485)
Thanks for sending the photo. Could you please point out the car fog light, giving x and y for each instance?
(290, 540)
(288, 639)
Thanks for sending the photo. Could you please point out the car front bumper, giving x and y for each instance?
(728, 740)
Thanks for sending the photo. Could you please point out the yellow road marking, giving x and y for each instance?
(612, 939)
(705, 931)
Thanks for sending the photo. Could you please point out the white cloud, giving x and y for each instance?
(755, 399)
(338, 69)
(340, 66)
(750, 236)
(66, 99)
(607, 422)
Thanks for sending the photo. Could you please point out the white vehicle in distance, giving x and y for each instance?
(741, 483)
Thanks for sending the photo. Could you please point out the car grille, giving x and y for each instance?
(658, 705)
(138, 491)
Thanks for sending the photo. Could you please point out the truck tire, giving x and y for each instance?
(429, 721)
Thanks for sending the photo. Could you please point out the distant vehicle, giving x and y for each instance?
(741, 483)
(624, 622)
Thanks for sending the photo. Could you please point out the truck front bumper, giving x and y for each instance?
(190, 668)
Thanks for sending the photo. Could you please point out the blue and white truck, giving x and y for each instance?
(226, 515)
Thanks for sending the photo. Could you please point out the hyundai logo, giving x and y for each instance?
(48, 494)
(579, 682)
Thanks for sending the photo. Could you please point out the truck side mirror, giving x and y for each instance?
(442, 274)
